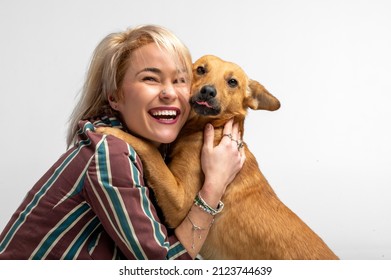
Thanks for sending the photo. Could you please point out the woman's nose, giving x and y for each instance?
(168, 92)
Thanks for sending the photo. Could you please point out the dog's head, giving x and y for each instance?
(221, 90)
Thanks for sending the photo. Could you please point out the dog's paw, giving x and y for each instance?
(112, 131)
(142, 146)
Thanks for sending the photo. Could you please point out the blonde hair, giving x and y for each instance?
(109, 63)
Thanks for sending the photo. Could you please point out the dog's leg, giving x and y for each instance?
(171, 193)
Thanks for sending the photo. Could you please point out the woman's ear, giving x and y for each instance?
(113, 102)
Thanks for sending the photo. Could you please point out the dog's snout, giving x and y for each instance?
(208, 92)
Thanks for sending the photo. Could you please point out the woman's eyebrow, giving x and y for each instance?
(159, 71)
(150, 69)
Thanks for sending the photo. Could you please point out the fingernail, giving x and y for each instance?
(208, 126)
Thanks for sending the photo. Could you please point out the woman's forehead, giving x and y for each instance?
(153, 56)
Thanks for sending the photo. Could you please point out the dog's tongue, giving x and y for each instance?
(203, 103)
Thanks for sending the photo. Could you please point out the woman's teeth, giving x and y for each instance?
(164, 114)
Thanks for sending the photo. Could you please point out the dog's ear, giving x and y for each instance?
(259, 98)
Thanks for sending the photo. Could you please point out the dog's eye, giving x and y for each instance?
(201, 70)
(232, 83)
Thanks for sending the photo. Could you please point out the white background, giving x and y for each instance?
(326, 152)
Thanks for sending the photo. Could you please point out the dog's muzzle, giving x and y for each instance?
(204, 102)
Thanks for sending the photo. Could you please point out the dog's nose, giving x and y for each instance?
(208, 92)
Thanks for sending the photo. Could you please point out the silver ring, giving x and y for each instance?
(228, 135)
(163, 91)
(240, 144)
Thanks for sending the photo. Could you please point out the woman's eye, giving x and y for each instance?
(150, 79)
(180, 81)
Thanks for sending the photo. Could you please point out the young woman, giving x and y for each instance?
(93, 203)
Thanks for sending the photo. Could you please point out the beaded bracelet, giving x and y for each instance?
(208, 209)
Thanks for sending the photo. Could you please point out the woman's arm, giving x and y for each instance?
(220, 165)
(114, 187)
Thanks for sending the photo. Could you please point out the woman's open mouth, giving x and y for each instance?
(165, 115)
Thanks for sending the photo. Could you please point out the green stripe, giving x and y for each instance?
(134, 170)
(103, 173)
(94, 238)
(37, 197)
(146, 204)
(52, 238)
(73, 251)
(155, 224)
(176, 250)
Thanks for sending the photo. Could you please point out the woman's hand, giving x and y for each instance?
(220, 163)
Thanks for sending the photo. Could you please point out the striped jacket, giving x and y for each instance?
(91, 204)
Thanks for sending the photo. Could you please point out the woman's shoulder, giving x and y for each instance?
(89, 134)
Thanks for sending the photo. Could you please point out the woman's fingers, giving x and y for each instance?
(227, 131)
(209, 136)
(231, 132)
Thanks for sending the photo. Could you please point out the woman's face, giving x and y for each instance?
(154, 97)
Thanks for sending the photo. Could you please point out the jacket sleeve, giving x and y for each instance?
(115, 189)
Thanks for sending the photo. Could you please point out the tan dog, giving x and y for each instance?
(254, 224)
